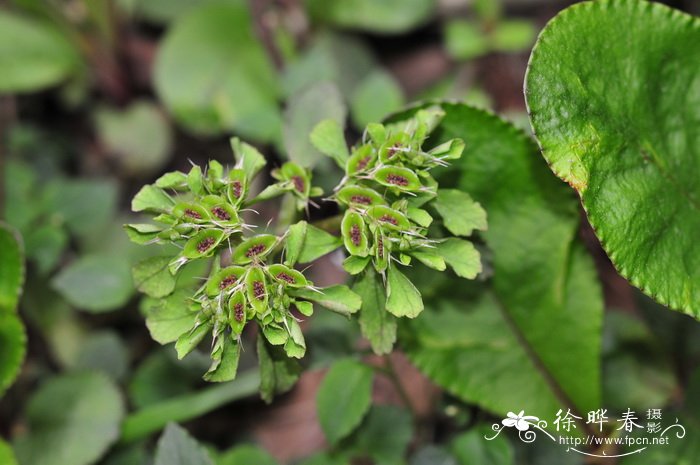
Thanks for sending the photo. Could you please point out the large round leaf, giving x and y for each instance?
(13, 345)
(72, 420)
(213, 74)
(33, 54)
(613, 89)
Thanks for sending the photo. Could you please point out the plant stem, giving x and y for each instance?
(389, 371)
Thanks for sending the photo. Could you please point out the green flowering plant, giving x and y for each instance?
(387, 198)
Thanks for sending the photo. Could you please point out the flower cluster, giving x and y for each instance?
(386, 184)
(200, 213)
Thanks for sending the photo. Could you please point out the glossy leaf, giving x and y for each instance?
(479, 348)
(11, 268)
(13, 346)
(619, 125)
(344, 398)
(71, 420)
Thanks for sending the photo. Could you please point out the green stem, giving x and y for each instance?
(153, 418)
(389, 371)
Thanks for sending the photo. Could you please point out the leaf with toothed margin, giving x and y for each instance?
(536, 323)
(620, 125)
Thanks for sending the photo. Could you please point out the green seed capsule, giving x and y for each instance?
(360, 196)
(237, 309)
(256, 289)
(287, 276)
(398, 177)
(191, 213)
(381, 251)
(361, 160)
(203, 243)
(237, 186)
(389, 218)
(354, 234)
(224, 280)
(395, 148)
(254, 248)
(298, 177)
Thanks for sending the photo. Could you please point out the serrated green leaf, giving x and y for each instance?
(294, 242)
(226, 367)
(142, 233)
(152, 276)
(430, 258)
(103, 351)
(329, 138)
(461, 256)
(248, 158)
(402, 299)
(338, 298)
(460, 213)
(177, 447)
(11, 268)
(377, 324)
(13, 346)
(168, 318)
(71, 420)
(213, 75)
(278, 373)
(532, 239)
(96, 283)
(317, 244)
(33, 53)
(355, 265)
(151, 199)
(619, 125)
(189, 340)
(344, 398)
